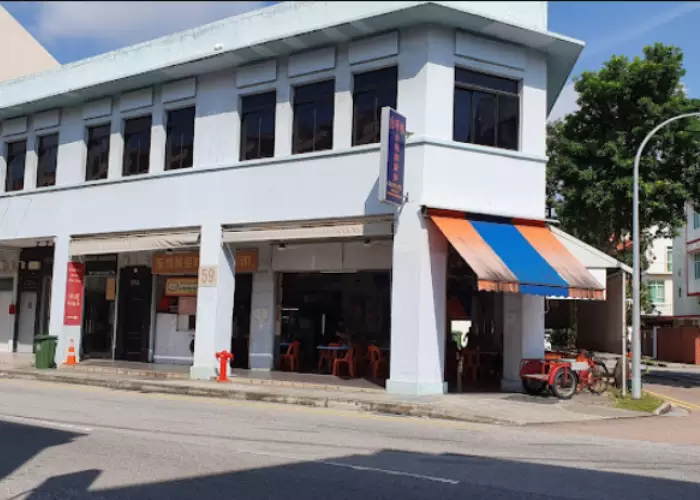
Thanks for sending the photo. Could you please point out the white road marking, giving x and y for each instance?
(362, 468)
(46, 423)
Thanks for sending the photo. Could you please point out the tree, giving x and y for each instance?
(591, 152)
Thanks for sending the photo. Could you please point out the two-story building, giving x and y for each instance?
(218, 188)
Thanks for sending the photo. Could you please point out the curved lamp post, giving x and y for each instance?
(636, 310)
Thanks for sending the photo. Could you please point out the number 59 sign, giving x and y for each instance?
(208, 275)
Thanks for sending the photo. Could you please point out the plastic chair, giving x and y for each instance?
(326, 357)
(376, 360)
(291, 359)
(348, 360)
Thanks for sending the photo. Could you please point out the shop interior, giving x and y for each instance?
(477, 317)
(99, 306)
(330, 317)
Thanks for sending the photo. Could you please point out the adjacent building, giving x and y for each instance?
(686, 271)
(220, 189)
(20, 53)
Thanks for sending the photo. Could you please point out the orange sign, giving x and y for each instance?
(176, 263)
(247, 260)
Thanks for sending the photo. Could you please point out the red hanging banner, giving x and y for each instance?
(73, 313)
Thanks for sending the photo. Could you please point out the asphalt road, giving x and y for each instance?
(72, 442)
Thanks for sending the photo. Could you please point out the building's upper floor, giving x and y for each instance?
(302, 81)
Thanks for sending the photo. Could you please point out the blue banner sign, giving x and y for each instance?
(392, 157)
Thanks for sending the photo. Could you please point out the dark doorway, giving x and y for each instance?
(134, 325)
(240, 336)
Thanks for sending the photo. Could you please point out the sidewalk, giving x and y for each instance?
(498, 409)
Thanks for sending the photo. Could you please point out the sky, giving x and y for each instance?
(76, 30)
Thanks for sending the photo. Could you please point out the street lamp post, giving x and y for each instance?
(636, 309)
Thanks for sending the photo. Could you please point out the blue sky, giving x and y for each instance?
(75, 30)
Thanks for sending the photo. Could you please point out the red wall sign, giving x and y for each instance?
(73, 313)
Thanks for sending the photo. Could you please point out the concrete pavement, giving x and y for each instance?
(77, 442)
(504, 409)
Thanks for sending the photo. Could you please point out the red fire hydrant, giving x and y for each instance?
(223, 357)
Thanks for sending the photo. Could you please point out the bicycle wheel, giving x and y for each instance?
(564, 384)
(598, 377)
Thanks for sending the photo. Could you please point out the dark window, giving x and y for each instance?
(137, 145)
(258, 126)
(47, 159)
(16, 153)
(487, 110)
(313, 117)
(180, 139)
(97, 152)
(371, 92)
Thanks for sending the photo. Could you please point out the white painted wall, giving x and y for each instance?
(337, 183)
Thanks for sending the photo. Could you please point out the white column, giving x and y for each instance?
(262, 322)
(214, 304)
(418, 297)
(342, 121)
(61, 257)
(284, 114)
(31, 163)
(156, 162)
(116, 147)
(523, 335)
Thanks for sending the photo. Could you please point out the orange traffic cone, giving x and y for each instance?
(70, 360)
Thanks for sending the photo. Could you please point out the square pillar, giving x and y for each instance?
(214, 303)
(523, 335)
(418, 306)
(59, 278)
(262, 321)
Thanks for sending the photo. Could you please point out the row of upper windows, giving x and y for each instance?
(486, 112)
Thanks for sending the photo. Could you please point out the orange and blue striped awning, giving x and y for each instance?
(518, 256)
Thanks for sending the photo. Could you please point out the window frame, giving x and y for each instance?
(8, 143)
(88, 128)
(378, 112)
(173, 109)
(696, 220)
(295, 103)
(126, 119)
(669, 260)
(654, 287)
(472, 87)
(696, 266)
(38, 141)
(242, 115)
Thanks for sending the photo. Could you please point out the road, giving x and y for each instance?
(70, 442)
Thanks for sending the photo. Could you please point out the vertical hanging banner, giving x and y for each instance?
(391, 155)
(73, 310)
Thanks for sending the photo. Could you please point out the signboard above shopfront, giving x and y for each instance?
(176, 263)
(392, 157)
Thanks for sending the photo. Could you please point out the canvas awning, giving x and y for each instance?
(327, 231)
(518, 256)
(132, 243)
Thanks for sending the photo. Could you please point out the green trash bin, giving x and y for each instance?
(45, 351)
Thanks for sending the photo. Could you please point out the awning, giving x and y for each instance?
(356, 229)
(518, 257)
(132, 243)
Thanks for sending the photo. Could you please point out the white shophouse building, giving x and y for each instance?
(252, 143)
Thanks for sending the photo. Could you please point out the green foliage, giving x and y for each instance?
(591, 152)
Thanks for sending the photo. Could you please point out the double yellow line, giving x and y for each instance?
(674, 401)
